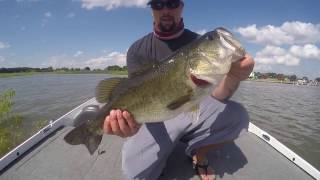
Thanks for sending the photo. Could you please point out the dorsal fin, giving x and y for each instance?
(105, 89)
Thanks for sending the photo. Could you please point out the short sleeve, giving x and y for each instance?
(133, 61)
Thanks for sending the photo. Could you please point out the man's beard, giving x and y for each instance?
(165, 27)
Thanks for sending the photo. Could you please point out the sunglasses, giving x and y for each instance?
(159, 5)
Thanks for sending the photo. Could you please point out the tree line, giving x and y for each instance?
(66, 69)
(282, 77)
(25, 69)
(257, 75)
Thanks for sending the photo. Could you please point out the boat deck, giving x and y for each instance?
(249, 158)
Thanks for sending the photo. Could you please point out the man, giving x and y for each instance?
(144, 154)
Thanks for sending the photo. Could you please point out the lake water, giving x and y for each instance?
(289, 113)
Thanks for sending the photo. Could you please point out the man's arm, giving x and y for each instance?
(239, 71)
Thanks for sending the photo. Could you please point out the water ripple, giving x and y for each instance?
(289, 113)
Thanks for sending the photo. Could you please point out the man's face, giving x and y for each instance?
(167, 18)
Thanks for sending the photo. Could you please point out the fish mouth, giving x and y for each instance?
(199, 82)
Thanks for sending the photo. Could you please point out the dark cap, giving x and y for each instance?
(159, 0)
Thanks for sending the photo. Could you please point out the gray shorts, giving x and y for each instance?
(144, 155)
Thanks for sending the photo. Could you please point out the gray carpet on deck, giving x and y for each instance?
(248, 158)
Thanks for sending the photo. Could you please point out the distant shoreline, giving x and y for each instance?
(124, 73)
(272, 81)
(8, 75)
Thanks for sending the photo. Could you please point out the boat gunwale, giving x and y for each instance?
(40, 135)
(285, 151)
(53, 126)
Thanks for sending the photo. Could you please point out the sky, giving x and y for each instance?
(282, 36)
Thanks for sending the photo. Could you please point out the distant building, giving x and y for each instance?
(313, 83)
(253, 75)
(302, 82)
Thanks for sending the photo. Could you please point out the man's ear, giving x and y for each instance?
(182, 4)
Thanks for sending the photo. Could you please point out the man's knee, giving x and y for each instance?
(141, 167)
(144, 155)
(237, 113)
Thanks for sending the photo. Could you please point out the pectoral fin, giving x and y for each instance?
(178, 102)
(106, 87)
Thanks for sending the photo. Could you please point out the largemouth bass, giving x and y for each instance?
(177, 84)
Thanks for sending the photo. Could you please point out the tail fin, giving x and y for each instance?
(82, 135)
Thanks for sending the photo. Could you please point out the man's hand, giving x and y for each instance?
(239, 71)
(120, 123)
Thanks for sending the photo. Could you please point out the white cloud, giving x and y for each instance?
(201, 32)
(113, 4)
(71, 15)
(7, 63)
(27, 1)
(302, 32)
(114, 58)
(58, 61)
(308, 51)
(48, 14)
(46, 18)
(61, 61)
(262, 67)
(295, 32)
(44, 22)
(78, 53)
(273, 55)
(276, 55)
(4, 45)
